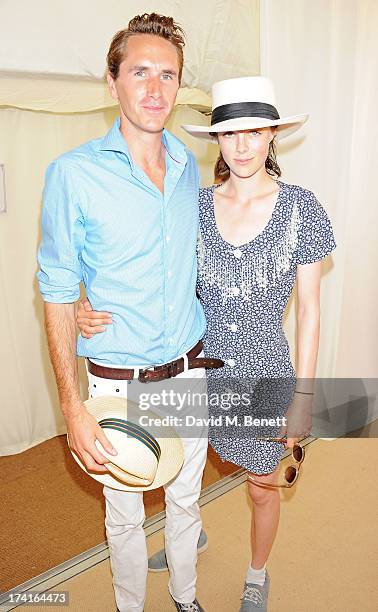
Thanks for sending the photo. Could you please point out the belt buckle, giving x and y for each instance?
(171, 371)
(141, 376)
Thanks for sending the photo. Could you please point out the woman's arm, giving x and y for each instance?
(308, 323)
(299, 414)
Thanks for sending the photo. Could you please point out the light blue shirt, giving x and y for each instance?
(106, 224)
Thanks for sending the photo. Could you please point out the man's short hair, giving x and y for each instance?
(149, 23)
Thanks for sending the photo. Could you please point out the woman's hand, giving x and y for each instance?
(298, 419)
(89, 321)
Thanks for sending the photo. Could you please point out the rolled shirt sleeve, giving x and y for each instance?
(63, 235)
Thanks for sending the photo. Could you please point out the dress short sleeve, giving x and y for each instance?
(315, 238)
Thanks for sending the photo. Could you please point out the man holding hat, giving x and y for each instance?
(121, 215)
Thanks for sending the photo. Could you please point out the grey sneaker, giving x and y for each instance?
(255, 597)
(194, 606)
(158, 561)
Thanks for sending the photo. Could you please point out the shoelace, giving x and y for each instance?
(252, 594)
(190, 607)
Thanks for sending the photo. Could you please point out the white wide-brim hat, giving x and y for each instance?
(148, 457)
(245, 103)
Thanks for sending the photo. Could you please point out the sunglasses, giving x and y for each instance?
(291, 472)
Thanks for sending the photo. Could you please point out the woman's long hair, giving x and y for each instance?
(222, 171)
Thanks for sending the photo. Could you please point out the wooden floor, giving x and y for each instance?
(324, 558)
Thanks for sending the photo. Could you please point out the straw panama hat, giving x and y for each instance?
(147, 458)
(245, 103)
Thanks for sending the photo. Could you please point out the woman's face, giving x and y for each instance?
(245, 151)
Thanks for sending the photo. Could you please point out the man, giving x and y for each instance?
(120, 214)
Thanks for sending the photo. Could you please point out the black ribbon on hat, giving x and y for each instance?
(243, 109)
(134, 431)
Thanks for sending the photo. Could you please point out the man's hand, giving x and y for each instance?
(83, 430)
(298, 419)
(89, 321)
(82, 427)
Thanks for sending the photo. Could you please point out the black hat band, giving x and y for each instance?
(243, 109)
(134, 431)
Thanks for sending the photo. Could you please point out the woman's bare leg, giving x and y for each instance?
(265, 517)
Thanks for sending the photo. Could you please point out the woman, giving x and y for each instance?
(257, 236)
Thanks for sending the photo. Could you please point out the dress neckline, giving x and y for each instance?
(260, 234)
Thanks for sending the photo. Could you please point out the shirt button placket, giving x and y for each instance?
(235, 291)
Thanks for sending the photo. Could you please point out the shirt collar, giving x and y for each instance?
(176, 149)
(114, 141)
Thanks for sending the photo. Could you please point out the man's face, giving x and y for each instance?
(147, 83)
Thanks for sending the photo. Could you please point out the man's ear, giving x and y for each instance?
(112, 86)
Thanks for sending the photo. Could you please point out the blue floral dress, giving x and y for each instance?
(244, 291)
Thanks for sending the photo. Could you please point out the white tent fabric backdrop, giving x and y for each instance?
(62, 45)
(51, 60)
(323, 59)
